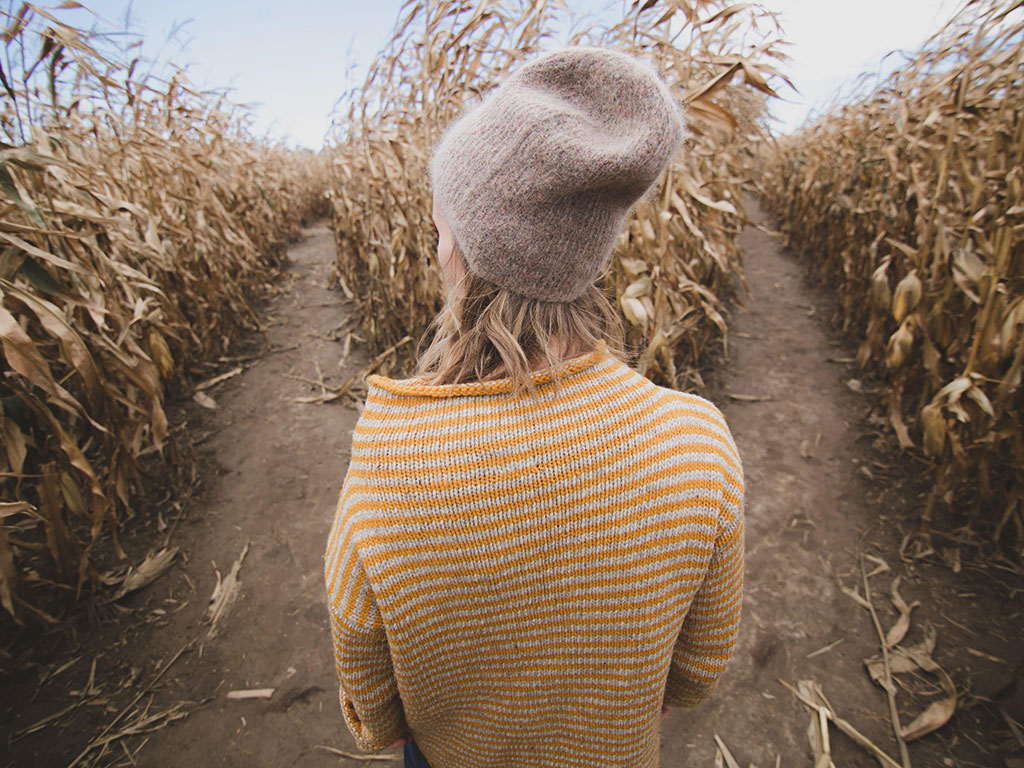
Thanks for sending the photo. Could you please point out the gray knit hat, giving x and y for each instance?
(536, 182)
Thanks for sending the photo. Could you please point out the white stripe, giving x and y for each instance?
(673, 426)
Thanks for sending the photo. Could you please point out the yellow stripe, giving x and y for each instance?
(541, 568)
(591, 518)
(552, 638)
(364, 522)
(575, 750)
(561, 736)
(365, 469)
(631, 418)
(400, 606)
(497, 386)
(456, 565)
(522, 421)
(454, 413)
(486, 610)
(522, 485)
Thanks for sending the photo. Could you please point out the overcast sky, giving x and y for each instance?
(293, 60)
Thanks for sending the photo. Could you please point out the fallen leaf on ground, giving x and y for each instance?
(205, 400)
(880, 565)
(987, 656)
(749, 398)
(825, 649)
(224, 594)
(817, 728)
(726, 754)
(855, 595)
(913, 659)
(899, 630)
(251, 693)
(811, 695)
(936, 715)
(218, 379)
(148, 571)
(359, 756)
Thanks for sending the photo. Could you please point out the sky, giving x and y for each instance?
(833, 41)
(291, 61)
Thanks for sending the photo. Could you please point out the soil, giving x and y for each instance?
(825, 492)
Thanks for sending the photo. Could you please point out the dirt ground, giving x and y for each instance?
(823, 491)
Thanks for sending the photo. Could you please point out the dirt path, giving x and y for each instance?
(822, 490)
(819, 495)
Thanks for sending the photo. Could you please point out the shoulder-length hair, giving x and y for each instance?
(486, 332)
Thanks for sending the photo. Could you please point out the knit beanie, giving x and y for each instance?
(536, 181)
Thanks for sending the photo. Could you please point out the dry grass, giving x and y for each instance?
(910, 199)
(676, 263)
(137, 216)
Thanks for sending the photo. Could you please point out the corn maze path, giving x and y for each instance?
(820, 492)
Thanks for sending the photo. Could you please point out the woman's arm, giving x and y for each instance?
(367, 690)
(368, 693)
(708, 634)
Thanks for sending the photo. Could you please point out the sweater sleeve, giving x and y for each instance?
(370, 702)
(708, 635)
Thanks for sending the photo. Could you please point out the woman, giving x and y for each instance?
(536, 550)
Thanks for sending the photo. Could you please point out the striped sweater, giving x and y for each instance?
(523, 583)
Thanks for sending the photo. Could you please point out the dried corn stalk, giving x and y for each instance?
(137, 217)
(910, 199)
(676, 263)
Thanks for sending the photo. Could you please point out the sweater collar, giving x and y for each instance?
(415, 386)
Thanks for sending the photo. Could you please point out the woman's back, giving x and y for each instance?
(510, 577)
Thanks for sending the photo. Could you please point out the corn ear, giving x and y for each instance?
(906, 296)
(899, 346)
(161, 354)
(933, 429)
(881, 295)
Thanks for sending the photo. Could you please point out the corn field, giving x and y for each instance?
(141, 216)
(138, 218)
(675, 265)
(910, 200)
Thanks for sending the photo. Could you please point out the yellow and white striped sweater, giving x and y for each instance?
(523, 584)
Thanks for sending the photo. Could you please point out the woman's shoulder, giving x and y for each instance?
(701, 403)
(690, 402)
(696, 413)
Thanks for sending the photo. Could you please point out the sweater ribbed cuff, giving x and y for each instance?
(688, 695)
(377, 731)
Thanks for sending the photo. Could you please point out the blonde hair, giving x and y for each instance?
(484, 330)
